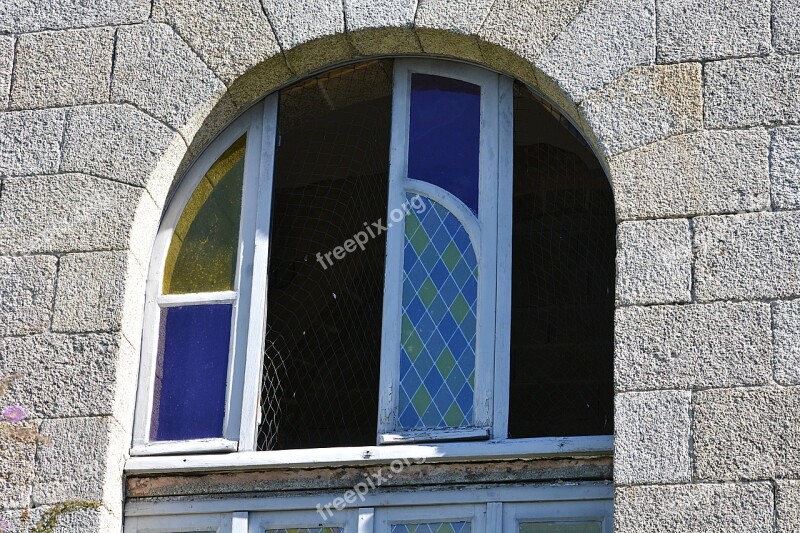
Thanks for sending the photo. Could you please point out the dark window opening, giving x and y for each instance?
(322, 350)
(563, 280)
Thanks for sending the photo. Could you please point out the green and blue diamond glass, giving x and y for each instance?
(440, 294)
(432, 527)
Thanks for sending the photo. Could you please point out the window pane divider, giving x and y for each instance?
(256, 328)
(174, 300)
(407, 437)
(185, 446)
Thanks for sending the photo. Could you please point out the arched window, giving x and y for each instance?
(394, 252)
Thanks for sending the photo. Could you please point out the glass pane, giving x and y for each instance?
(561, 527)
(440, 294)
(307, 530)
(562, 304)
(444, 135)
(432, 527)
(324, 313)
(202, 253)
(191, 372)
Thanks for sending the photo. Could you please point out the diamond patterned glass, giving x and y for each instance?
(307, 530)
(432, 527)
(202, 253)
(440, 294)
(561, 527)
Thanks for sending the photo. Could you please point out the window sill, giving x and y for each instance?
(367, 455)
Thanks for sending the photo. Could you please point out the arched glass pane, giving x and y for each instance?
(444, 135)
(440, 294)
(203, 250)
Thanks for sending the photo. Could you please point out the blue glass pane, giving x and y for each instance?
(444, 135)
(437, 351)
(191, 372)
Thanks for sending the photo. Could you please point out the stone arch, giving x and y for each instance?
(185, 74)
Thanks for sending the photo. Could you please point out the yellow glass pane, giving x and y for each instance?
(202, 253)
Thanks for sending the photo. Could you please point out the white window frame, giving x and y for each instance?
(249, 300)
(347, 519)
(212, 523)
(496, 129)
(490, 509)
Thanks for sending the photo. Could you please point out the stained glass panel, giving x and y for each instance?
(202, 253)
(444, 135)
(191, 372)
(432, 527)
(561, 527)
(440, 294)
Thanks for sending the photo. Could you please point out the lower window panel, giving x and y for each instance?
(573, 509)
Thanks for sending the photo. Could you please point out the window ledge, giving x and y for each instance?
(323, 457)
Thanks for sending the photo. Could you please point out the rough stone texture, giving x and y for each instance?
(528, 27)
(787, 506)
(654, 262)
(651, 444)
(786, 25)
(458, 16)
(645, 105)
(752, 91)
(6, 66)
(363, 17)
(67, 212)
(701, 508)
(62, 68)
(124, 144)
(82, 520)
(755, 255)
(679, 347)
(157, 71)
(29, 141)
(785, 167)
(449, 27)
(607, 38)
(712, 29)
(698, 173)
(230, 37)
(747, 433)
(37, 15)
(67, 471)
(91, 293)
(786, 336)
(26, 294)
(64, 375)
(297, 22)
(16, 466)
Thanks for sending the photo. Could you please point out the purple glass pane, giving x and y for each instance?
(444, 135)
(191, 372)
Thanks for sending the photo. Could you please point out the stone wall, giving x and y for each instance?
(692, 106)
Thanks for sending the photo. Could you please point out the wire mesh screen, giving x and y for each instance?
(322, 349)
(563, 280)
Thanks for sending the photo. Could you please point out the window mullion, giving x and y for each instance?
(256, 323)
(505, 197)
